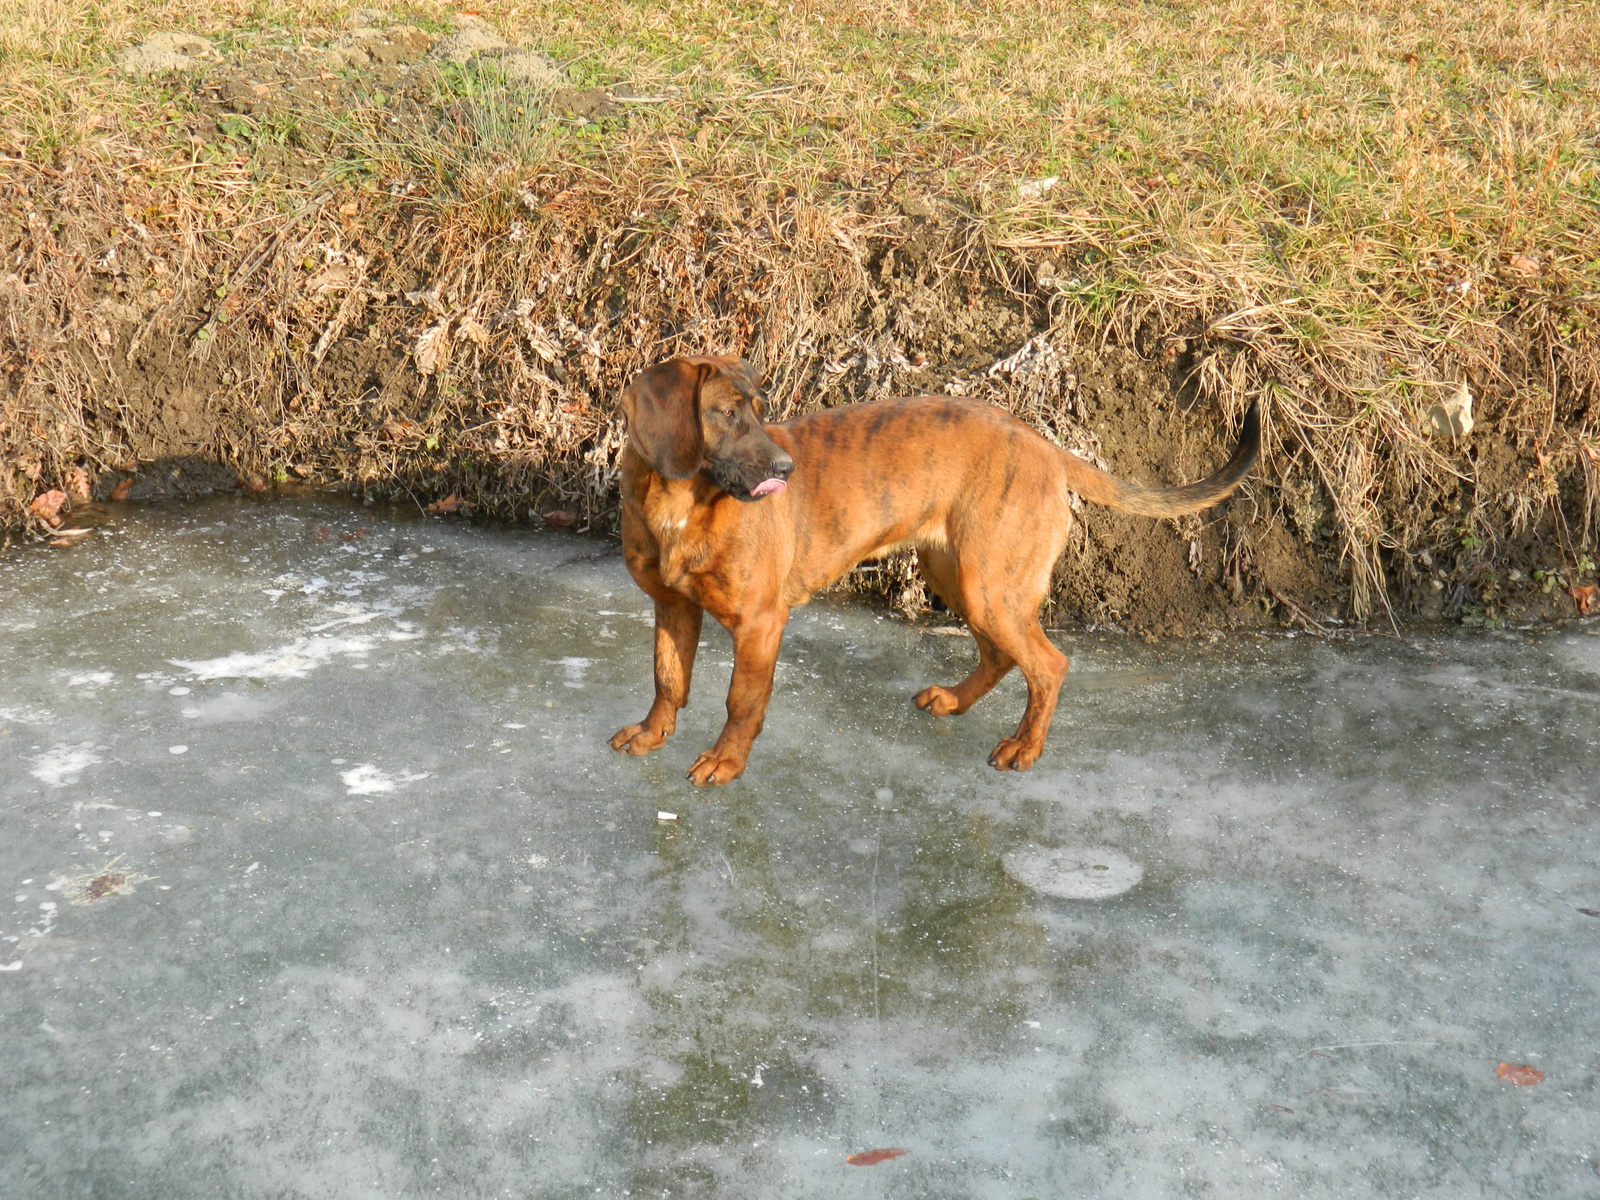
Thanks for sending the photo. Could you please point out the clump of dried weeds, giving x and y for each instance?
(435, 282)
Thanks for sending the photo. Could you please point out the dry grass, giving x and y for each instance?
(1344, 207)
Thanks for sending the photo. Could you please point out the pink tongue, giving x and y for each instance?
(768, 487)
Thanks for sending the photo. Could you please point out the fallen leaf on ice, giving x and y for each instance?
(120, 492)
(871, 1158)
(449, 506)
(111, 879)
(1452, 416)
(1519, 1073)
(78, 483)
(47, 507)
(558, 519)
(1584, 595)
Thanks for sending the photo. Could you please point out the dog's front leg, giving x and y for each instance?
(677, 636)
(755, 658)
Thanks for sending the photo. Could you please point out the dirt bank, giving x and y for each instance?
(370, 271)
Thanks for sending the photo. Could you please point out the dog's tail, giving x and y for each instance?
(1096, 485)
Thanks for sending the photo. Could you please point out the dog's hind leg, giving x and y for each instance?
(939, 569)
(1001, 589)
(1044, 667)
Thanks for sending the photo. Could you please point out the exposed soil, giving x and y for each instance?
(349, 343)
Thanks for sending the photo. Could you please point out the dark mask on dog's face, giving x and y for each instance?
(689, 415)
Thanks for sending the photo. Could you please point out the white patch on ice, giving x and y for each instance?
(646, 618)
(368, 780)
(27, 716)
(468, 641)
(316, 585)
(177, 749)
(1073, 872)
(178, 691)
(512, 725)
(355, 614)
(90, 679)
(573, 669)
(294, 661)
(62, 764)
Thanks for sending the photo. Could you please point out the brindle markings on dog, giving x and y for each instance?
(722, 514)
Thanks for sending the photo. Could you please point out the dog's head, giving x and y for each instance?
(689, 415)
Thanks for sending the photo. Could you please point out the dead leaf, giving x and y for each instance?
(398, 428)
(47, 507)
(1520, 1074)
(356, 533)
(1524, 264)
(432, 350)
(559, 519)
(120, 492)
(97, 883)
(103, 885)
(78, 483)
(1590, 912)
(332, 278)
(1452, 416)
(871, 1158)
(323, 533)
(474, 332)
(1584, 595)
(449, 506)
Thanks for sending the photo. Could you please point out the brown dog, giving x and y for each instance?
(721, 514)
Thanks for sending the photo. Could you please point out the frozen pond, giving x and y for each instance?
(321, 881)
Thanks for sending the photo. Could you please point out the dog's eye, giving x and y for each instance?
(729, 413)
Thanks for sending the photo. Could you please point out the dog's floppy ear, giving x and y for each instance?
(662, 406)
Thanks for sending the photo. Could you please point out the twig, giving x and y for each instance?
(1310, 622)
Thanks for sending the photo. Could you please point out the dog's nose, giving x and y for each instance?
(783, 466)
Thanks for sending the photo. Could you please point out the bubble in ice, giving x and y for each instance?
(1073, 872)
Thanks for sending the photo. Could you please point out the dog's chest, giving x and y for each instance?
(677, 523)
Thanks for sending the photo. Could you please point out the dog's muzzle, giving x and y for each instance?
(749, 481)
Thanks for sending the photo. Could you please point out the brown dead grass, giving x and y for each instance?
(1342, 208)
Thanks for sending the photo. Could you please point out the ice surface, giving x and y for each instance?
(405, 926)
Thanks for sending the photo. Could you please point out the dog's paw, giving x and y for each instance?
(715, 767)
(940, 701)
(636, 739)
(1013, 754)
